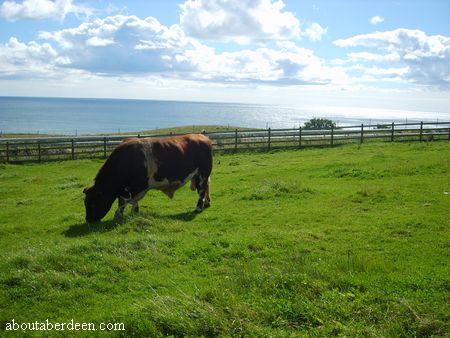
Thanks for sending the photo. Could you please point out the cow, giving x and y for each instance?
(139, 164)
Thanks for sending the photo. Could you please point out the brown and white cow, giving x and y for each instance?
(140, 164)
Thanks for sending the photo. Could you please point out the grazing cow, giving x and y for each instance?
(139, 164)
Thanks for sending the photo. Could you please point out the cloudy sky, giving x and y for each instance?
(384, 54)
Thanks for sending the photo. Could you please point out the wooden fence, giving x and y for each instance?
(59, 148)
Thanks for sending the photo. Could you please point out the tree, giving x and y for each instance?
(318, 123)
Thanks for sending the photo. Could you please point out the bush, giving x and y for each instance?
(318, 123)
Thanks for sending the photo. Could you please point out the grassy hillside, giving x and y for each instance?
(19, 135)
(160, 131)
(184, 130)
(348, 240)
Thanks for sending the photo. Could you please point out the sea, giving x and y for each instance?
(83, 116)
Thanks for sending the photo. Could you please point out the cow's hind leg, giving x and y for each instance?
(202, 180)
(203, 190)
(207, 202)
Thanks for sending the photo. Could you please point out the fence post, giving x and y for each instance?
(268, 140)
(332, 135)
(392, 132)
(7, 152)
(235, 139)
(104, 147)
(73, 150)
(362, 133)
(421, 131)
(39, 150)
(299, 137)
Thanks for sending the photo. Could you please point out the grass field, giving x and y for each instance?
(185, 129)
(344, 241)
(160, 131)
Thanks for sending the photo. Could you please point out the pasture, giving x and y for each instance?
(340, 241)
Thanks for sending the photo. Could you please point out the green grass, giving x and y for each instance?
(184, 130)
(24, 135)
(344, 241)
(159, 131)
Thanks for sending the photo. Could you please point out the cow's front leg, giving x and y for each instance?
(119, 212)
(135, 208)
(135, 200)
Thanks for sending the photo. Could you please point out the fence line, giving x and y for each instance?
(51, 148)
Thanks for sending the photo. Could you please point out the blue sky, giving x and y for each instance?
(367, 54)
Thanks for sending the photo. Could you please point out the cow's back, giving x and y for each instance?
(178, 157)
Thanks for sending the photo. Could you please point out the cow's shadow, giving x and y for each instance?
(83, 229)
(181, 216)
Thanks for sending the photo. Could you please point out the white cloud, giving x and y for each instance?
(405, 39)
(98, 42)
(366, 56)
(426, 56)
(127, 45)
(288, 64)
(374, 73)
(28, 60)
(40, 9)
(122, 45)
(241, 21)
(375, 20)
(315, 32)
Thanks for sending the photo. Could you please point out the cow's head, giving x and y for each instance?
(97, 204)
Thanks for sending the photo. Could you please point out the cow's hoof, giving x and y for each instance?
(206, 205)
(198, 210)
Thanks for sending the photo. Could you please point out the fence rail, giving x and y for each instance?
(59, 148)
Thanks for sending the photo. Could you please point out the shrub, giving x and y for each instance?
(318, 123)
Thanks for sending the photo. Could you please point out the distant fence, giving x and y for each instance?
(59, 148)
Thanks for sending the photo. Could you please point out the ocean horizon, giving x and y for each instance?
(77, 116)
